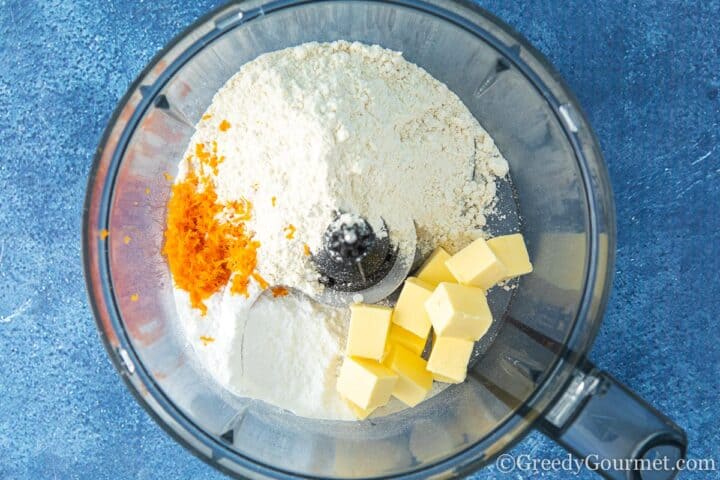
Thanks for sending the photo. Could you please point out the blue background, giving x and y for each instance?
(646, 72)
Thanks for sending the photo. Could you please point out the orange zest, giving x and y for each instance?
(273, 201)
(306, 249)
(290, 231)
(206, 340)
(241, 209)
(260, 280)
(224, 126)
(208, 158)
(104, 233)
(279, 291)
(134, 297)
(207, 116)
(126, 239)
(204, 249)
(167, 176)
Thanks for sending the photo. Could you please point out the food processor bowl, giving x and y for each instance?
(533, 372)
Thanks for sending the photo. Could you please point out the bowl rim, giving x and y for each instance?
(464, 14)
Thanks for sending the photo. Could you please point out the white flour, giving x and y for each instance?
(285, 351)
(313, 130)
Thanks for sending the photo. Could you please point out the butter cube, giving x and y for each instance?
(434, 270)
(407, 339)
(511, 251)
(368, 332)
(450, 357)
(459, 311)
(414, 380)
(409, 311)
(477, 265)
(366, 383)
(436, 376)
(360, 413)
(442, 378)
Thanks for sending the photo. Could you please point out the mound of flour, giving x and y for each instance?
(285, 351)
(344, 126)
(307, 132)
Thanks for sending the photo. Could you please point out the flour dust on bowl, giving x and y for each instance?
(225, 307)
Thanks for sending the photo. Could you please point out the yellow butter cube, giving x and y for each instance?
(449, 357)
(407, 339)
(512, 252)
(360, 413)
(442, 378)
(459, 311)
(366, 383)
(434, 270)
(368, 332)
(409, 312)
(477, 265)
(436, 376)
(414, 380)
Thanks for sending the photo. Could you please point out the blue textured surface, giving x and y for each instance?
(646, 72)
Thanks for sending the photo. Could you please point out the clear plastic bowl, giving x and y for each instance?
(561, 194)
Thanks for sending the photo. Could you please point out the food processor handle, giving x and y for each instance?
(618, 434)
